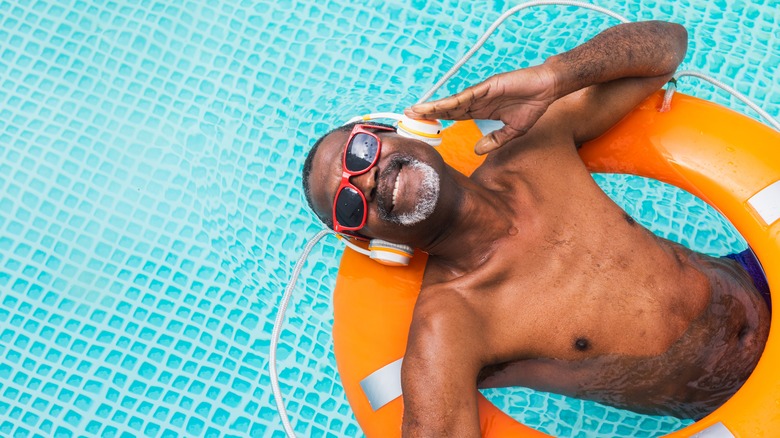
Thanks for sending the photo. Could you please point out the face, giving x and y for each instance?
(401, 190)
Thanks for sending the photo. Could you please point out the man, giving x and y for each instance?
(535, 277)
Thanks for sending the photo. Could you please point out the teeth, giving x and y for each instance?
(395, 190)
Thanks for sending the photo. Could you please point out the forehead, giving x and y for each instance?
(328, 158)
(326, 169)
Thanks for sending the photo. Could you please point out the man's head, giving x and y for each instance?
(397, 180)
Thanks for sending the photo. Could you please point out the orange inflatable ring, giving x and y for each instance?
(728, 160)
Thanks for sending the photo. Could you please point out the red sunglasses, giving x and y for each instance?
(350, 209)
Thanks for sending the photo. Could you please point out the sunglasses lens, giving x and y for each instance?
(361, 152)
(349, 208)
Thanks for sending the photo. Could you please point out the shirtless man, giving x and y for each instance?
(535, 277)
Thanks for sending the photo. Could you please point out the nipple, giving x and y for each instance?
(581, 344)
(512, 231)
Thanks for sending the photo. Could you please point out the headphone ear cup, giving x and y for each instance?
(389, 253)
(428, 131)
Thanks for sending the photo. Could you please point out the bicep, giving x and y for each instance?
(440, 369)
(590, 112)
(443, 344)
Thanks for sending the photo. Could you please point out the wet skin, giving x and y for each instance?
(536, 278)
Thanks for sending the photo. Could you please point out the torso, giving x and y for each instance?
(581, 300)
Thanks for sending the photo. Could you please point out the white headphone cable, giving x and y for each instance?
(278, 329)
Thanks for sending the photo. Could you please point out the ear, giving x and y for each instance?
(428, 131)
(390, 254)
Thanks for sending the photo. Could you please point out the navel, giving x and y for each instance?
(743, 332)
(581, 344)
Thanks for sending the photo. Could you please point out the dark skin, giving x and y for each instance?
(558, 290)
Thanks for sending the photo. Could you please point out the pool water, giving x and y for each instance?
(151, 210)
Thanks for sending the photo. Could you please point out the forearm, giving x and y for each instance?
(644, 49)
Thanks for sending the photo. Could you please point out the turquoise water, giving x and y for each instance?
(150, 202)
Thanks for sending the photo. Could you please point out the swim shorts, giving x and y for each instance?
(753, 267)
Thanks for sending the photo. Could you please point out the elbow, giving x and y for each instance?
(679, 43)
(670, 43)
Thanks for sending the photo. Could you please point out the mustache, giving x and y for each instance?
(395, 163)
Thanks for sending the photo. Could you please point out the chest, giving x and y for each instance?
(569, 300)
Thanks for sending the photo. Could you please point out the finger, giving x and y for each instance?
(455, 107)
(409, 112)
(497, 139)
(443, 108)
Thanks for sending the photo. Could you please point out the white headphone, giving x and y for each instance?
(382, 251)
(429, 131)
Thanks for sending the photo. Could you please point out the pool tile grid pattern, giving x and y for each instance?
(150, 209)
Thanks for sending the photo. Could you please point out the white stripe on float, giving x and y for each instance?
(717, 430)
(767, 203)
(383, 385)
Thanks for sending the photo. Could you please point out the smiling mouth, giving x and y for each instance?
(389, 187)
(408, 191)
(396, 186)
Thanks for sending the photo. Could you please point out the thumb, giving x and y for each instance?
(496, 139)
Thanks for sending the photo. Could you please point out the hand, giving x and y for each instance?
(517, 98)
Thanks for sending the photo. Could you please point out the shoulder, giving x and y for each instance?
(442, 311)
(441, 302)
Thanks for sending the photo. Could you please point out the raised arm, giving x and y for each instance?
(599, 82)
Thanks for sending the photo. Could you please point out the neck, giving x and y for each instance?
(470, 232)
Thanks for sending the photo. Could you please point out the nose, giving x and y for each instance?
(367, 183)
